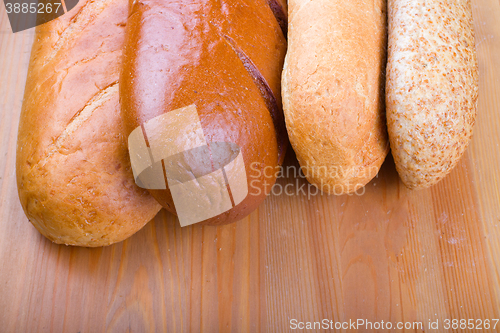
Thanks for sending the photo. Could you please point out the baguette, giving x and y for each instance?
(333, 83)
(432, 87)
(73, 171)
(219, 62)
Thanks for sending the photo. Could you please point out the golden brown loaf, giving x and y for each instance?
(223, 58)
(333, 90)
(432, 87)
(73, 170)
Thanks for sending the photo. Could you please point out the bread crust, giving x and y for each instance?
(432, 87)
(73, 171)
(332, 83)
(224, 57)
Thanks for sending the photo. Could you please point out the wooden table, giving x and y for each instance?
(390, 254)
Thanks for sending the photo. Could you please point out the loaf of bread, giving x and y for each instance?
(432, 87)
(333, 95)
(201, 75)
(73, 170)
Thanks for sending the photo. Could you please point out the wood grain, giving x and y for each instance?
(390, 254)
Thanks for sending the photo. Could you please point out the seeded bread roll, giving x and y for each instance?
(73, 170)
(333, 95)
(432, 87)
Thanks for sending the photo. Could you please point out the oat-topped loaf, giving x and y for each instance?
(432, 87)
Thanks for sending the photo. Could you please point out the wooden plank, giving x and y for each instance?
(390, 254)
(486, 146)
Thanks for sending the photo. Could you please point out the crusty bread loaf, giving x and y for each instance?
(73, 170)
(432, 87)
(333, 84)
(222, 59)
